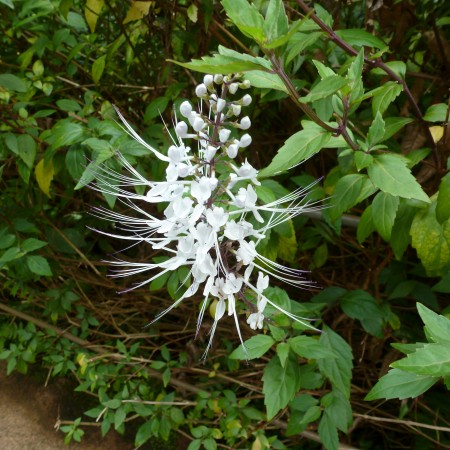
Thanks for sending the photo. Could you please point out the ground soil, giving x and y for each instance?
(29, 411)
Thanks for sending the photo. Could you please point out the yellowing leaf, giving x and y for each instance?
(137, 11)
(192, 13)
(44, 175)
(92, 12)
(437, 132)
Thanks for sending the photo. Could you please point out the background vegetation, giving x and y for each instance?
(371, 124)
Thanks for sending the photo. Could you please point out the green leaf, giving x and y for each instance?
(192, 13)
(376, 131)
(400, 384)
(311, 415)
(443, 200)
(276, 21)
(365, 225)
(12, 83)
(384, 96)
(296, 149)
(299, 42)
(362, 160)
(338, 370)
(328, 433)
(431, 240)
(400, 235)
(393, 125)
(283, 349)
(256, 347)
(75, 161)
(144, 433)
(310, 348)
(39, 265)
(8, 3)
(265, 80)
(338, 409)
(137, 11)
(155, 108)
(324, 88)
(431, 359)
(234, 62)
(279, 384)
(435, 113)
(27, 149)
(359, 304)
(360, 37)
(65, 133)
(68, 105)
(32, 244)
(246, 17)
(384, 210)
(350, 190)
(390, 174)
(98, 67)
(437, 327)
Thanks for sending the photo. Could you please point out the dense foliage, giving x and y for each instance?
(353, 94)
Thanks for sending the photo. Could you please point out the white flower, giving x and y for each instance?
(207, 223)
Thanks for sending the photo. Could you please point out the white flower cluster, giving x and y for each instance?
(213, 221)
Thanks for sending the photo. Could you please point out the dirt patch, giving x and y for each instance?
(29, 411)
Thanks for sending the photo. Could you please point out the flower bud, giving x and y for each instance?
(245, 123)
(218, 78)
(236, 109)
(245, 84)
(198, 124)
(186, 108)
(233, 87)
(224, 134)
(221, 104)
(232, 151)
(210, 152)
(181, 129)
(208, 80)
(245, 141)
(201, 90)
(246, 100)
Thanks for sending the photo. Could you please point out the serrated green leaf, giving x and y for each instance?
(338, 409)
(443, 200)
(400, 235)
(325, 88)
(246, 17)
(144, 433)
(299, 42)
(279, 384)
(296, 149)
(384, 211)
(347, 193)
(283, 349)
(65, 133)
(376, 131)
(39, 265)
(362, 160)
(431, 359)
(390, 174)
(436, 326)
(256, 347)
(384, 96)
(365, 225)
(265, 80)
(328, 433)
(338, 370)
(394, 124)
(310, 348)
(400, 384)
(68, 105)
(276, 21)
(431, 240)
